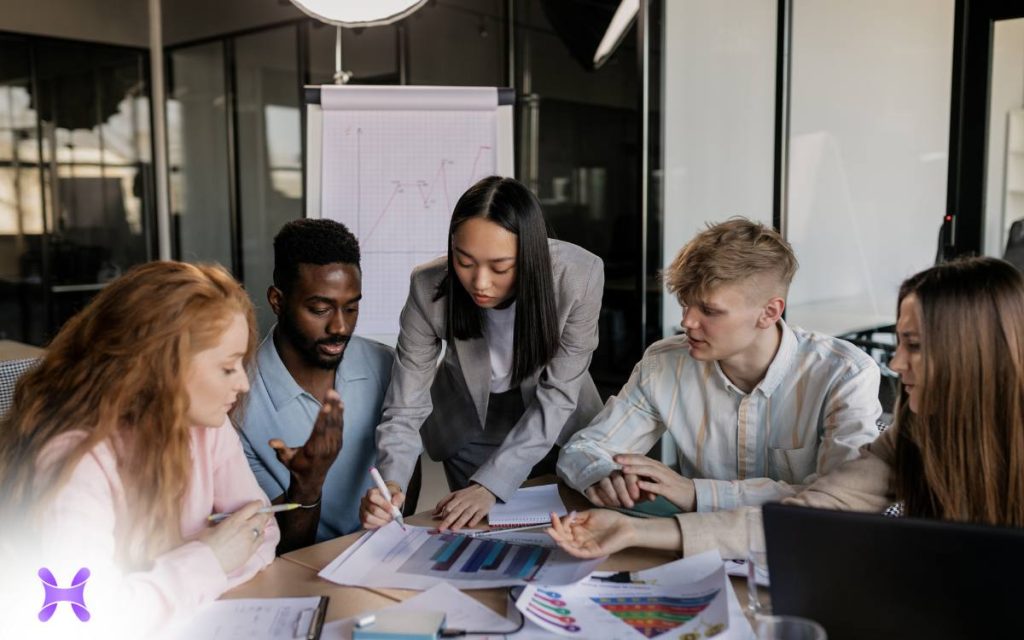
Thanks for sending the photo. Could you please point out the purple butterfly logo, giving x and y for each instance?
(74, 594)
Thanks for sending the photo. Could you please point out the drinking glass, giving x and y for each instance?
(757, 562)
(788, 628)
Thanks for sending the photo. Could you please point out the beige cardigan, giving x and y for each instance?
(862, 484)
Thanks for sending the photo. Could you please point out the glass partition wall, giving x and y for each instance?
(829, 120)
(75, 177)
(235, 125)
(868, 149)
(705, 110)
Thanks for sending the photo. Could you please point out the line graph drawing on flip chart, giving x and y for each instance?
(390, 163)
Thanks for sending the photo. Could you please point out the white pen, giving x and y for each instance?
(491, 532)
(365, 621)
(217, 517)
(387, 495)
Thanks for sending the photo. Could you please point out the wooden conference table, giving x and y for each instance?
(295, 573)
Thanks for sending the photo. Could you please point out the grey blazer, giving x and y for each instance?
(444, 402)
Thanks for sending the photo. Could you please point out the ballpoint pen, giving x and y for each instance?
(387, 496)
(277, 508)
(491, 532)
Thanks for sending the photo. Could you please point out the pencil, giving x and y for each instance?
(277, 508)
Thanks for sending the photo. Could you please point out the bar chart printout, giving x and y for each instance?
(420, 557)
(457, 556)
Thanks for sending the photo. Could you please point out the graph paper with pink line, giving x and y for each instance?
(393, 177)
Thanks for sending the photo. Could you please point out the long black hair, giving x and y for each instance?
(509, 204)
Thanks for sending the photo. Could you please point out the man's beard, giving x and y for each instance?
(308, 349)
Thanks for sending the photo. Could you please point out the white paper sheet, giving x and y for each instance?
(628, 611)
(242, 619)
(690, 596)
(420, 557)
(529, 505)
(739, 626)
(461, 612)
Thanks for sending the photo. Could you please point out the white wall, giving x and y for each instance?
(1006, 92)
(123, 22)
(719, 119)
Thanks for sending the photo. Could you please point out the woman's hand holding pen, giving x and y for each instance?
(593, 534)
(464, 508)
(238, 536)
(375, 510)
(601, 532)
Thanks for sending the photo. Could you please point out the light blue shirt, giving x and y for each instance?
(279, 408)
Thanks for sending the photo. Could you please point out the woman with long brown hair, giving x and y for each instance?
(118, 447)
(955, 450)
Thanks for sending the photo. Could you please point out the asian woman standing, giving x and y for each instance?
(518, 312)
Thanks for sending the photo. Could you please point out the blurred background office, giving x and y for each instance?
(878, 135)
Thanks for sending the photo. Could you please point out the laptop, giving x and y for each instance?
(870, 576)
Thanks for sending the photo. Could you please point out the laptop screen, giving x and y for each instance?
(871, 576)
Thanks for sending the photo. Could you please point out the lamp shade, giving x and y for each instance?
(591, 29)
(358, 13)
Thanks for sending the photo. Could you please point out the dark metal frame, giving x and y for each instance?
(963, 225)
(234, 184)
(783, 73)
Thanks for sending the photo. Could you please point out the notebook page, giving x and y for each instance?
(529, 505)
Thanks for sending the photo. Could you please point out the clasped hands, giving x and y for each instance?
(642, 478)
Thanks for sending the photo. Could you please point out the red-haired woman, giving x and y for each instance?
(118, 447)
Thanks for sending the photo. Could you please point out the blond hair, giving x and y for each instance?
(116, 372)
(736, 250)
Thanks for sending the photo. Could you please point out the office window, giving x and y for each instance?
(269, 151)
(197, 148)
(75, 178)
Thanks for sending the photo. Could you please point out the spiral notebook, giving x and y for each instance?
(529, 506)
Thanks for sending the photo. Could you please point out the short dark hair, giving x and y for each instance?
(509, 204)
(311, 241)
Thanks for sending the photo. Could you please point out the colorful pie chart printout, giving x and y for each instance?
(598, 609)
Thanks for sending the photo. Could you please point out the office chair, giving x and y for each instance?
(10, 371)
(1014, 253)
(894, 510)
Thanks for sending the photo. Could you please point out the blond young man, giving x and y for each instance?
(757, 408)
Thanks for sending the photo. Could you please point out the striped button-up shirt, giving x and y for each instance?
(816, 405)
